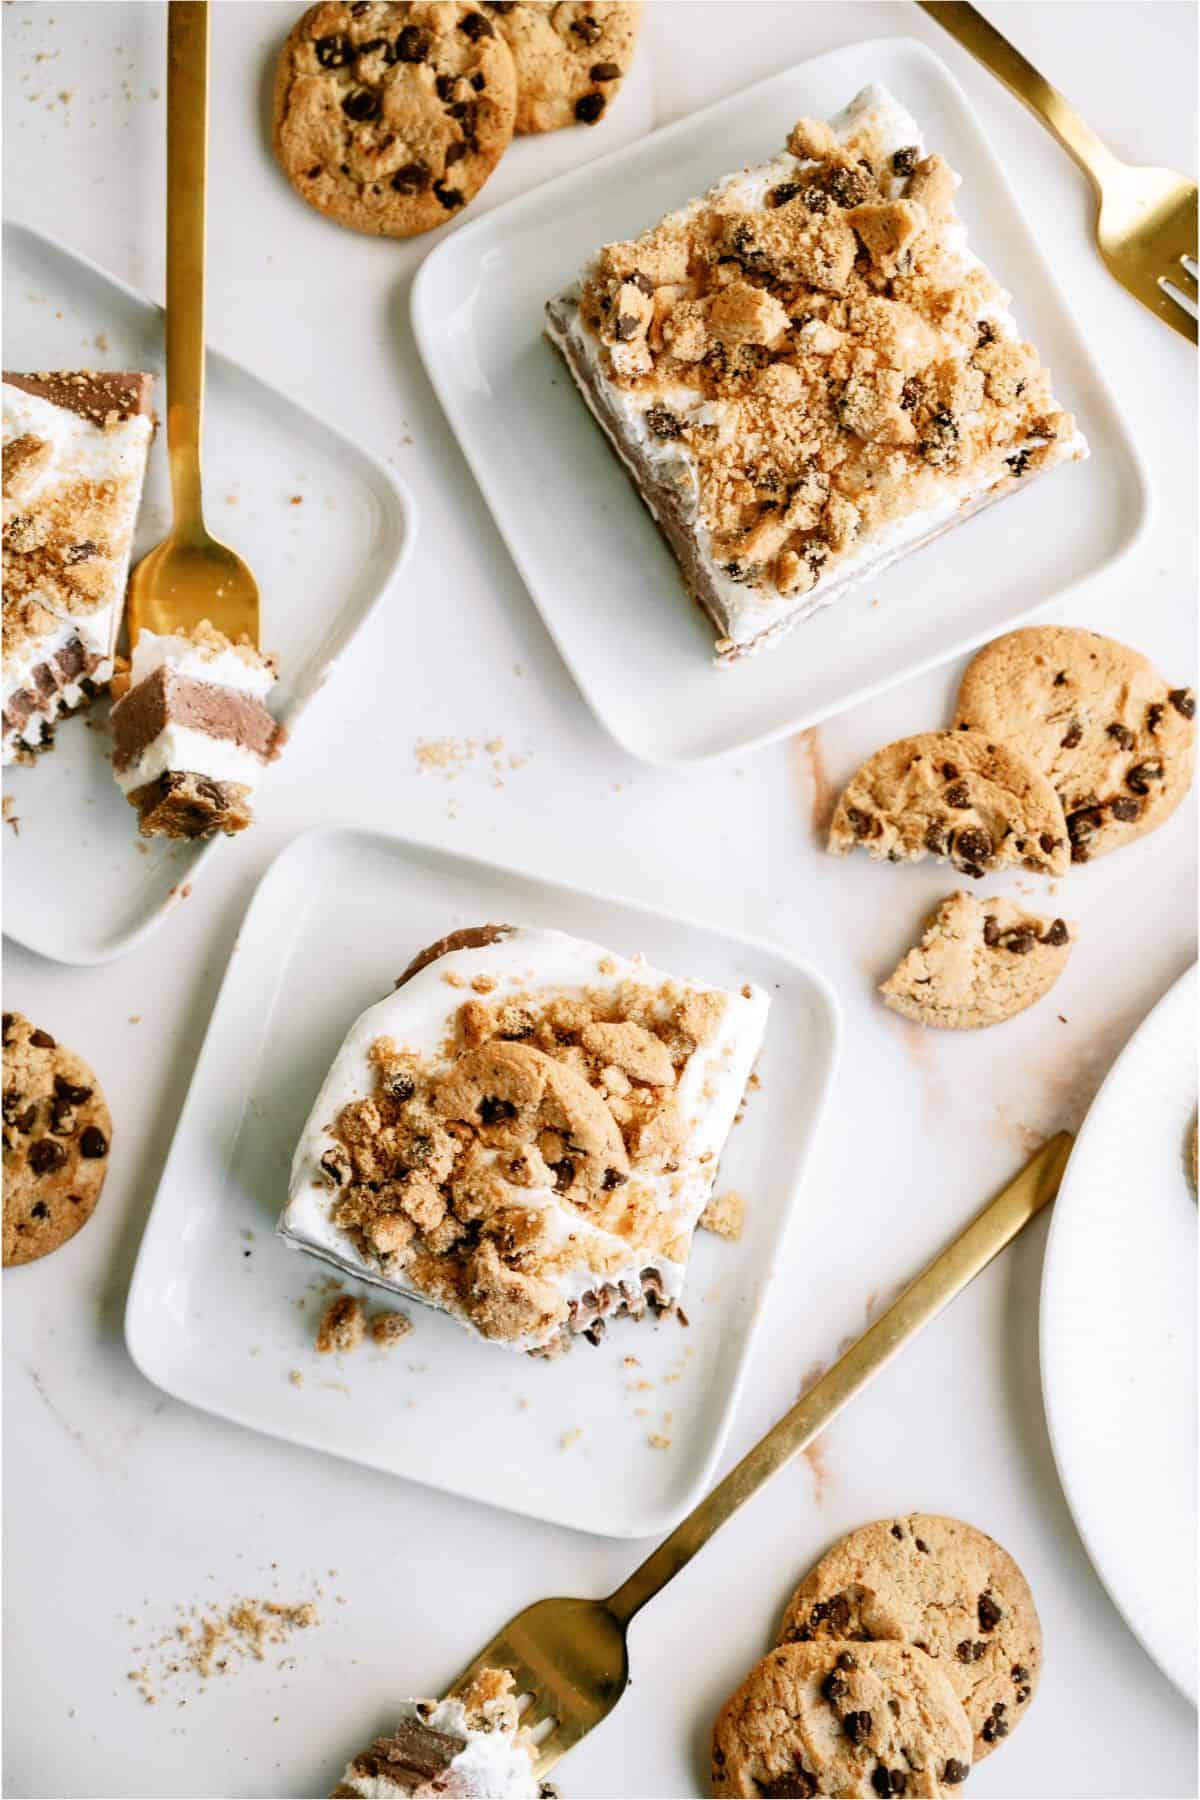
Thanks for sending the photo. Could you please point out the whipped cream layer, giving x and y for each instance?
(492, 1762)
(83, 468)
(750, 613)
(222, 750)
(534, 968)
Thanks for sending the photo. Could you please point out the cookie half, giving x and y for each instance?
(570, 59)
(1114, 738)
(944, 1587)
(389, 118)
(979, 962)
(959, 796)
(57, 1133)
(826, 1718)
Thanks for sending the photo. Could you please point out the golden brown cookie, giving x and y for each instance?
(845, 1719)
(979, 963)
(57, 1133)
(1115, 739)
(944, 1587)
(959, 796)
(570, 59)
(390, 117)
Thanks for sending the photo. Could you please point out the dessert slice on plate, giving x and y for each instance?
(807, 373)
(75, 450)
(191, 733)
(471, 1748)
(525, 1133)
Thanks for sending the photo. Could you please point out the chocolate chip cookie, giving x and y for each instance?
(57, 1133)
(945, 1588)
(826, 1718)
(571, 59)
(389, 118)
(960, 796)
(1116, 740)
(979, 962)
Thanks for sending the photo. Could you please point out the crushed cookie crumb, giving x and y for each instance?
(342, 1327)
(724, 1215)
(388, 1328)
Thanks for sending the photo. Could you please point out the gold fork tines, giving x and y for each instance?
(1146, 226)
(570, 1657)
(189, 576)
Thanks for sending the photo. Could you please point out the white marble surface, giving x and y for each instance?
(120, 1503)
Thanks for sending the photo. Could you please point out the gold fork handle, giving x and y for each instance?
(995, 52)
(187, 159)
(946, 1276)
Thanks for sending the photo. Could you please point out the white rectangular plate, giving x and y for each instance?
(221, 1311)
(607, 587)
(80, 886)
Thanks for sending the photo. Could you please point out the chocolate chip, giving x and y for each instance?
(896, 1532)
(39, 1210)
(816, 199)
(779, 196)
(835, 1687)
(606, 71)
(500, 6)
(1082, 823)
(989, 1613)
(589, 107)
(43, 1040)
(1020, 942)
(449, 197)
(494, 1111)
(1058, 933)
(444, 83)
(333, 52)
(1154, 715)
(797, 1784)
(963, 1651)
(45, 1156)
(587, 29)
(863, 824)
(412, 45)
(362, 105)
(1140, 777)
(5, 1026)
(336, 1164)
(910, 394)
(857, 1726)
(955, 1772)
(62, 1118)
(93, 1142)
(455, 153)
(1125, 809)
(985, 333)
(1048, 843)
(1018, 463)
(663, 423)
(1023, 1694)
(937, 839)
(413, 178)
(972, 846)
(846, 187)
(922, 1546)
(613, 1178)
(625, 327)
(311, 174)
(475, 26)
(1019, 1672)
(958, 795)
(1184, 702)
(27, 1120)
(1074, 735)
(399, 1085)
(563, 1171)
(888, 1781)
(905, 161)
(641, 282)
(1122, 735)
(68, 1090)
(847, 1660)
(77, 553)
(373, 47)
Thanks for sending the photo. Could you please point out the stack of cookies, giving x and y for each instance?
(1064, 745)
(908, 1653)
(390, 117)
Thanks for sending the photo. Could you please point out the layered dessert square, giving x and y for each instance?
(75, 445)
(191, 731)
(807, 373)
(525, 1133)
(471, 1748)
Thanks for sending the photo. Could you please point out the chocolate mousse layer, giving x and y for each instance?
(72, 666)
(101, 395)
(413, 1755)
(165, 698)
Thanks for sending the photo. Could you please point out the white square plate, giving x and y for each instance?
(607, 587)
(322, 567)
(221, 1311)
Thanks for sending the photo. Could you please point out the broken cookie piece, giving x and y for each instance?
(807, 374)
(956, 796)
(978, 963)
(191, 732)
(524, 1134)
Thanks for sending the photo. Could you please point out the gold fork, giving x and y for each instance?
(189, 576)
(1146, 225)
(570, 1656)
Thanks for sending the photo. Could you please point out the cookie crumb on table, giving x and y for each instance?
(725, 1214)
(389, 1327)
(343, 1325)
